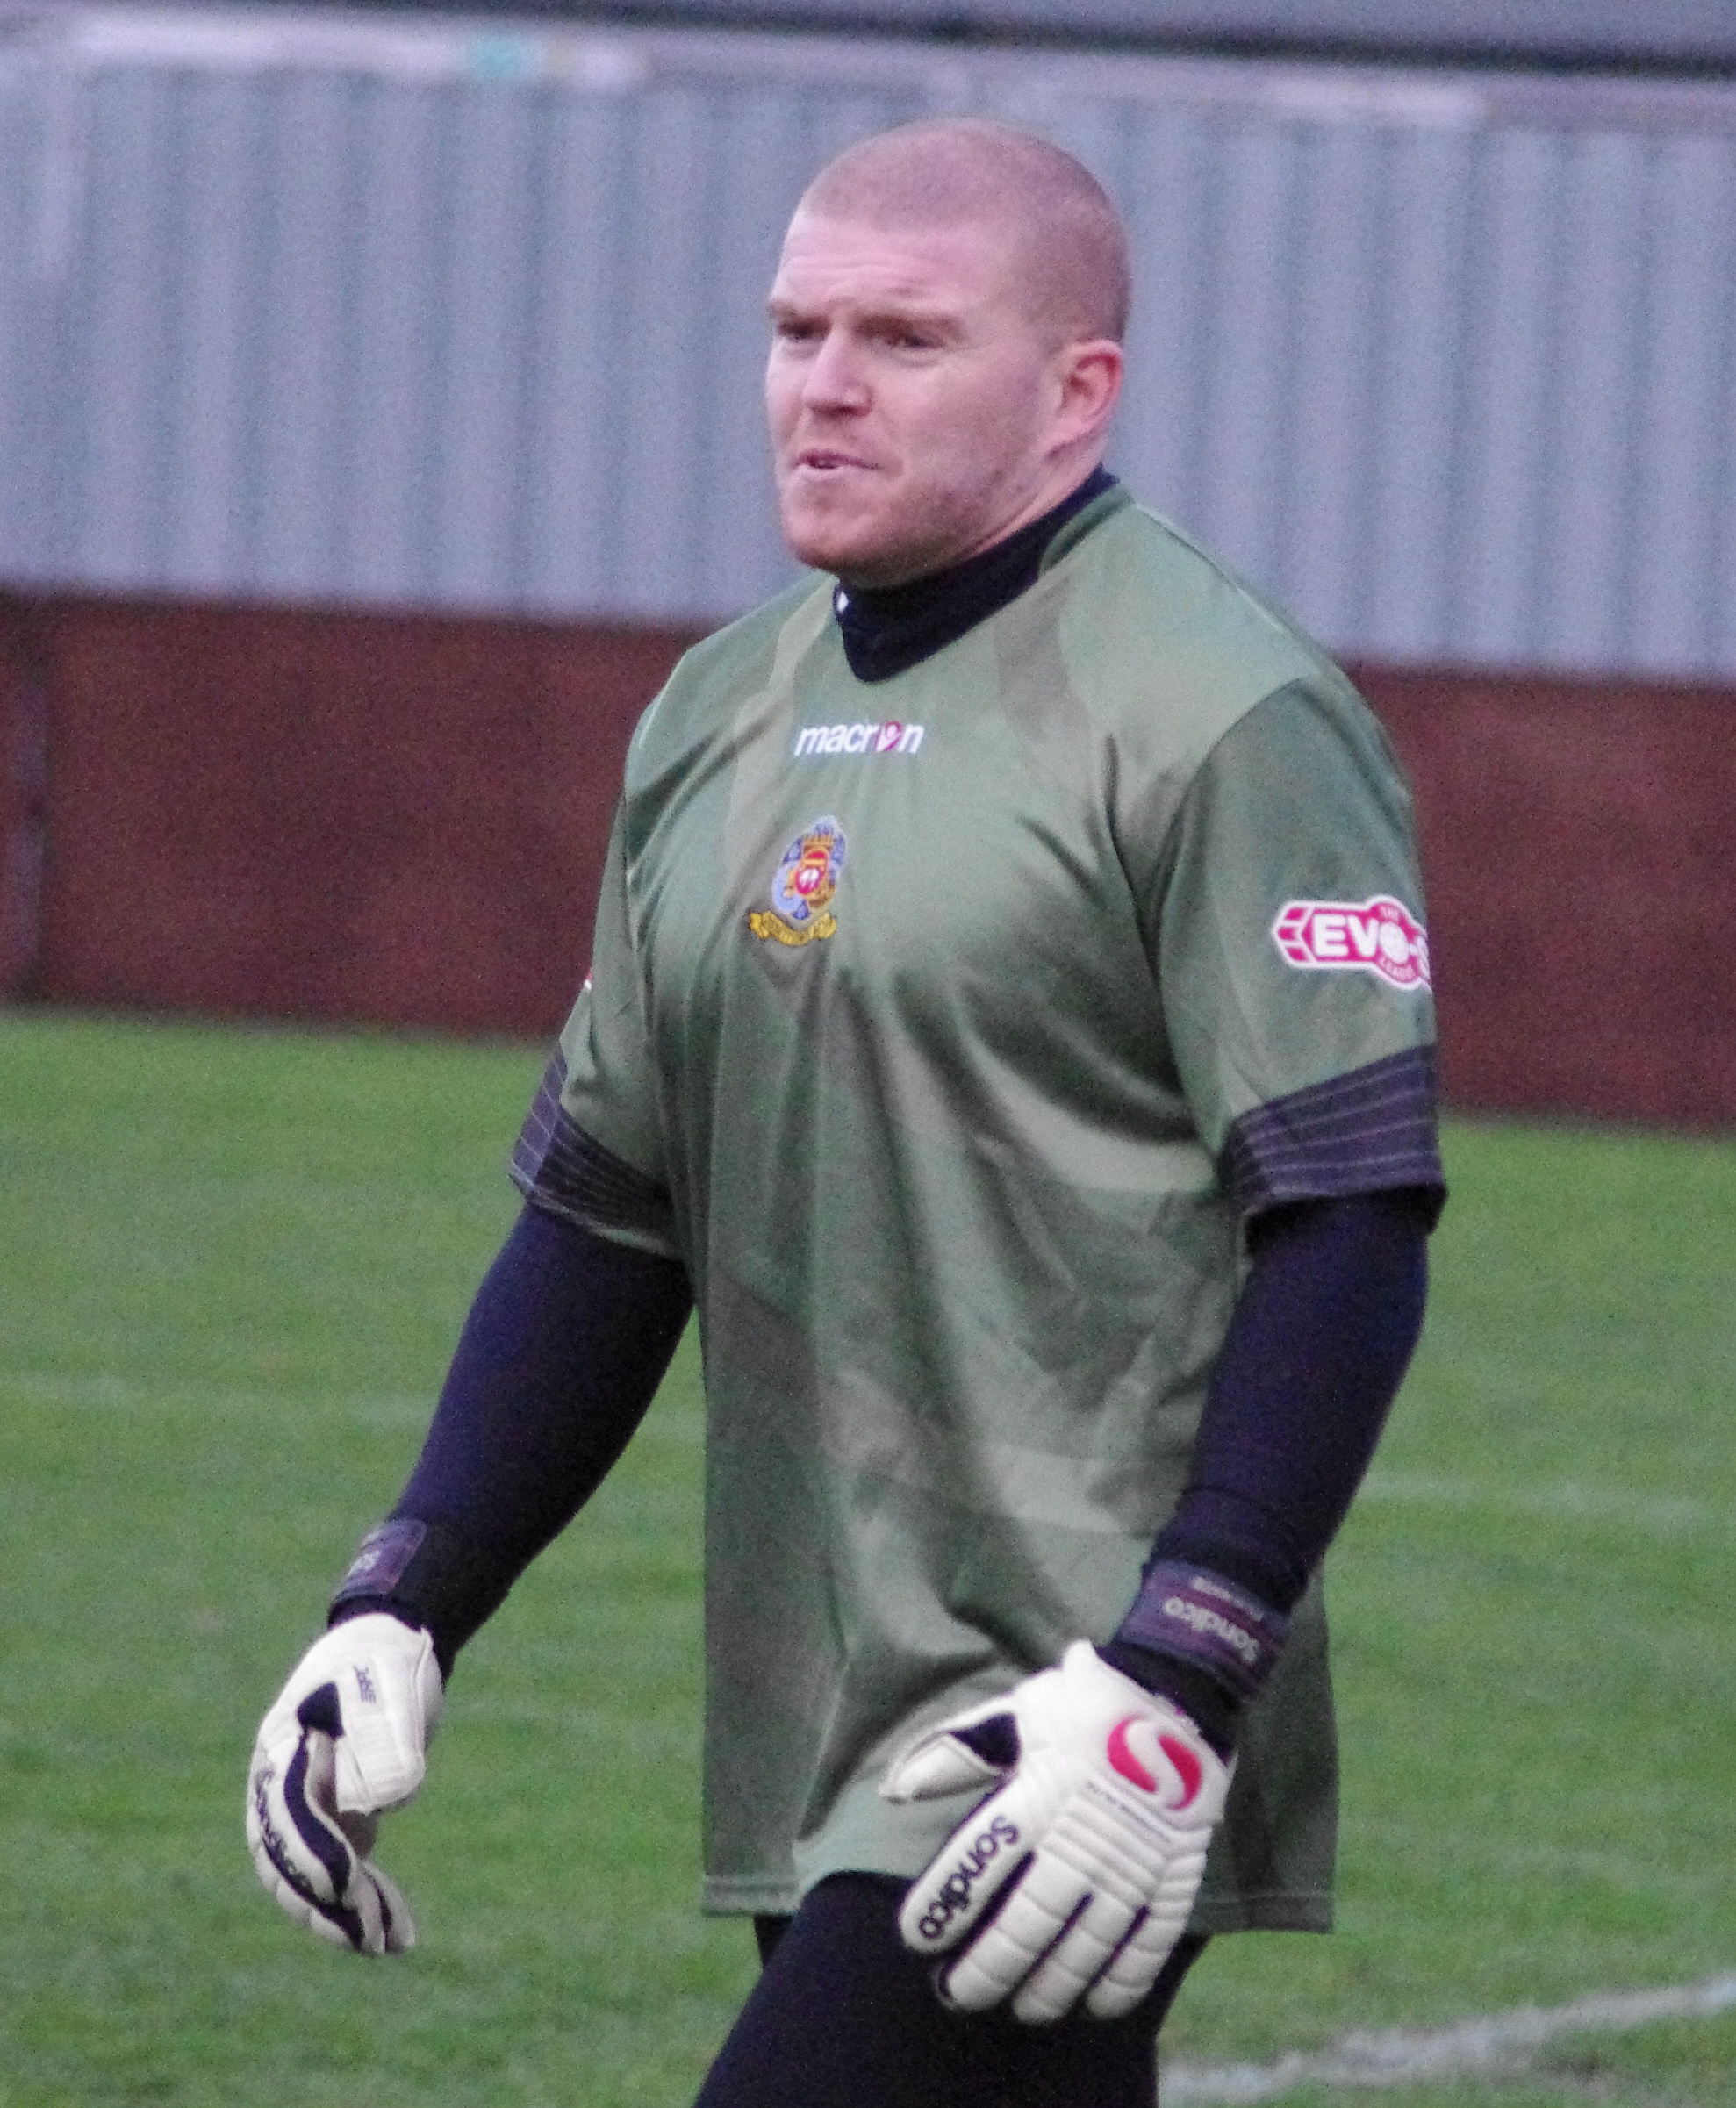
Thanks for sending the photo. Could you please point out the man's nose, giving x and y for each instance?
(836, 379)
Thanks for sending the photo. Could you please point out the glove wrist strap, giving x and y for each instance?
(1199, 1618)
(429, 1575)
(381, 1560)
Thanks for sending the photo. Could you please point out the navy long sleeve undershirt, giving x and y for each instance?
(1322, 1336)
(560, 1355)
(570, 1336)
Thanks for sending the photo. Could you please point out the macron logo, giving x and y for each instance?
(859, 739)
(1381, 935)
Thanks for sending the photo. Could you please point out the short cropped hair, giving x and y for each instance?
(946, 170)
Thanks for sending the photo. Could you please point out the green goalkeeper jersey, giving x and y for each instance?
(948, 1029)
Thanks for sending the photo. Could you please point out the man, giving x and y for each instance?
(1009, 1024)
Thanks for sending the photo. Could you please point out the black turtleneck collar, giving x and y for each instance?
(887, 629)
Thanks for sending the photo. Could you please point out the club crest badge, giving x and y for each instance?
(803, 887)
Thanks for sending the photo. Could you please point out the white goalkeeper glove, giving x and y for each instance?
(1097, 1837)
(346, 1741)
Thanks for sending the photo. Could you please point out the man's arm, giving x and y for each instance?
(1106, 1804)
(1323, 1334)
(563, 1348)
(563, 1351)
(1310, 1076)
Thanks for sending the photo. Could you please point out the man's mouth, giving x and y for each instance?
(829, 457)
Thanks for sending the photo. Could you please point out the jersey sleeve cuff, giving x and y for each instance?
(561, 1169)
(1371, 1130)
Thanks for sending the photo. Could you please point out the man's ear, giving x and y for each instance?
(1090, 374)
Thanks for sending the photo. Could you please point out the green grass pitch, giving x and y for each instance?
(231, 1266)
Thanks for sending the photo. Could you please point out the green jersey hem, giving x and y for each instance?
(1301, 1911)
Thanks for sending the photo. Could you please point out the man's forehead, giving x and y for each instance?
(945, 265)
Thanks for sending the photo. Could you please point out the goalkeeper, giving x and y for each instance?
(1009, 1028)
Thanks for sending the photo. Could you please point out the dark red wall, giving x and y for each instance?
(378, 817)
(23, 733)
(1579, 839)
(400, 819)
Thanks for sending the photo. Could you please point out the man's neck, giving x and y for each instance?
(888, 629)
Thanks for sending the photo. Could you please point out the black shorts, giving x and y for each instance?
(845, 2016)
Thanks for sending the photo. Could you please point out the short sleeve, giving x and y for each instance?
(1293, 960)
(592, 1149)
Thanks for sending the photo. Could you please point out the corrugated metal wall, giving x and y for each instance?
(398, 312)
(1679, 34)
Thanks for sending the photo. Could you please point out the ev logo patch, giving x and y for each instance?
(1379, 937)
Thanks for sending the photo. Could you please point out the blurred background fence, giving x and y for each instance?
(378, 416)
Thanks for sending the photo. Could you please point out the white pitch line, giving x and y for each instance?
(1568, 1502)
(120, 1393)
(1401, 2058)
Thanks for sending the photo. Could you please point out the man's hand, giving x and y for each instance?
(346, 1741)
(1093, 1848)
